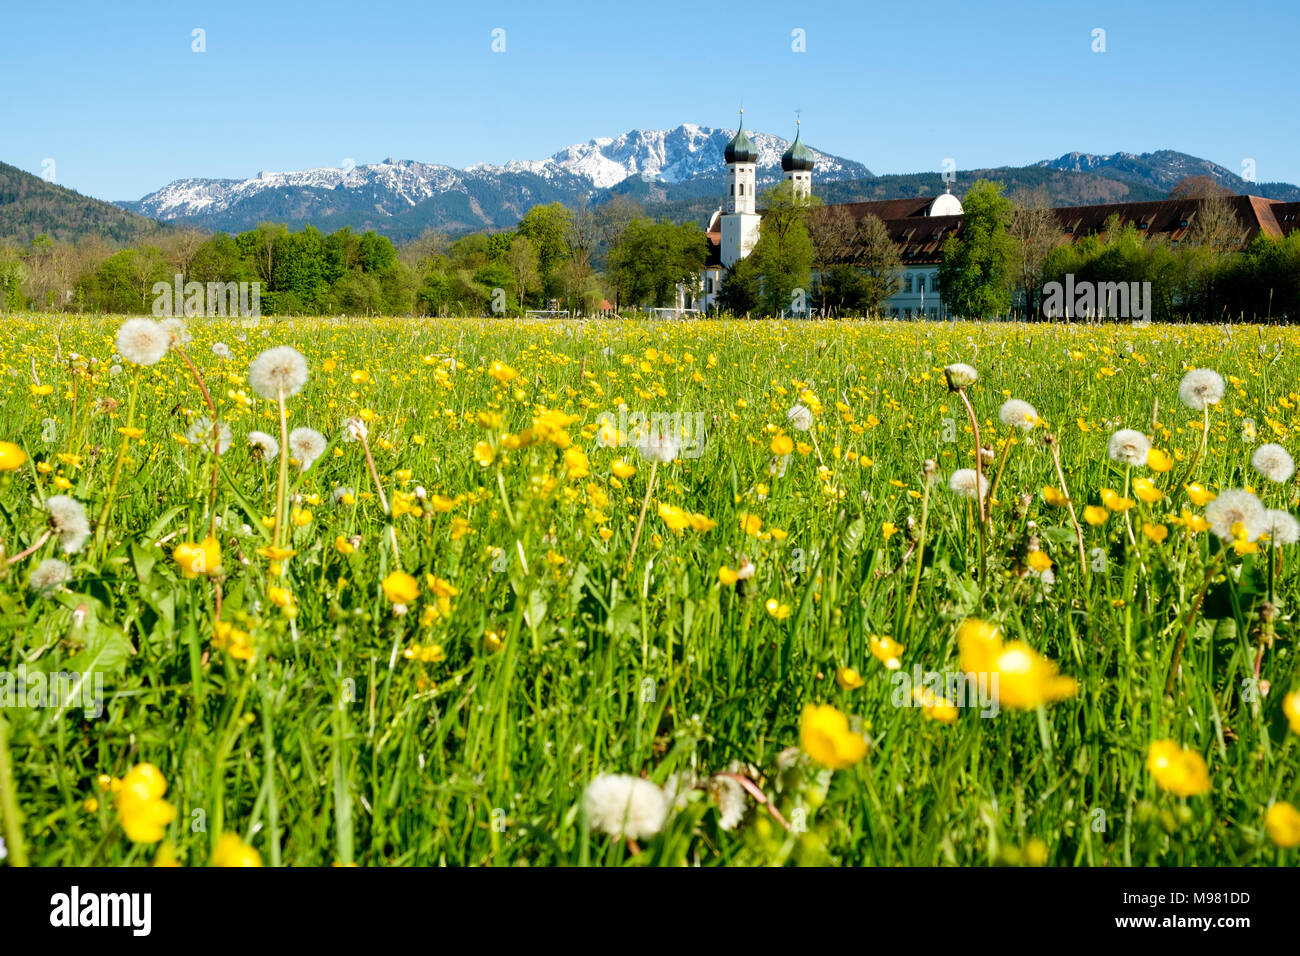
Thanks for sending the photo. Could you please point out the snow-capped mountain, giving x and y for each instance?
(402, 196)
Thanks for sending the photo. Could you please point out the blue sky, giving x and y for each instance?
(115, 96)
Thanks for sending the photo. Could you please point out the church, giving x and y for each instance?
(921, 225)
(733, 228)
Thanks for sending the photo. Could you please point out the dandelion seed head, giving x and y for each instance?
(143, 341)
(306, 444)
(1200, 388)
(1233, 507)
(1017, 414)
(263, 446)
(68, 520)
(1128, 446)
(624, 806)
(963, 483)
(282, 369)
(48, 576)
(1273, 462)
(1281, 527)
(800, 417)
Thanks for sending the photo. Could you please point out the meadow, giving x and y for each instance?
(444, 591)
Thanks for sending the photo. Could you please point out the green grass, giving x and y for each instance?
(333, 747)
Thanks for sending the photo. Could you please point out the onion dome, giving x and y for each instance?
(741, 149)
(797, 157)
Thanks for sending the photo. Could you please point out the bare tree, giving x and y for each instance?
(582, 234)
(834, 234)
(180, 247)
(1215, 224)
(1037, 232)
(877, 257)
(1198, 187)
(419, 254)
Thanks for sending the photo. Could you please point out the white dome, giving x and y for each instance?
(945, 205)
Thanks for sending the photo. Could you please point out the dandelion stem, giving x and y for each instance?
(13, 820)
(35, 547)
(920, 553)
(979, 476)
(1176, 660)
(1006, 453)
(640, 521)
(216, 437)
(282, 479)
(1069, 502)
(102, 530)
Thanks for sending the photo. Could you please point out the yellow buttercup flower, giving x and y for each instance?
(934, 706)
(782, 445)
(140, 805)
(1147, 491)
(622, 469)
(400, 588)
(1020, 677)
(1039, 561)
(1291, 707)
(886, 650)
(1158, 461)
(727, 576)
(1054, 497)
(1156, 532)
(777, 609)
(196, 559)
(1095, 515)
(1182, 772)
(848, 678)
(1199, 495)
(825, 736)
(1282, 823)
(232, 851)
(11, 456)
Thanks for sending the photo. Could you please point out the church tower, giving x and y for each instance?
(797, 166)
(740, 218)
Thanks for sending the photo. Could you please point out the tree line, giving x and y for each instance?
(810, 258)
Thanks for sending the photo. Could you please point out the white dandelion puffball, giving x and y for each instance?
(658, 445)
(68, 520)
(960, 375)
(625, 806)
(962, 483)
(263, 446)
(1273, 462)
(1129, 447)
(143, 341)
(1281, 527)
(177, 333)
(282, 369)
(201, 434)
(354, 429)
(1200, 388)
(800, 418)
(730, 797)
(306, 444)
(222, 351)
(49, 575)
(1233, 507)
(1017, 414)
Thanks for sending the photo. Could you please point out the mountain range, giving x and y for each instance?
(678, 173)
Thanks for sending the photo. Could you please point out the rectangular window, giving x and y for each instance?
(907, 283)
(742, 189)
